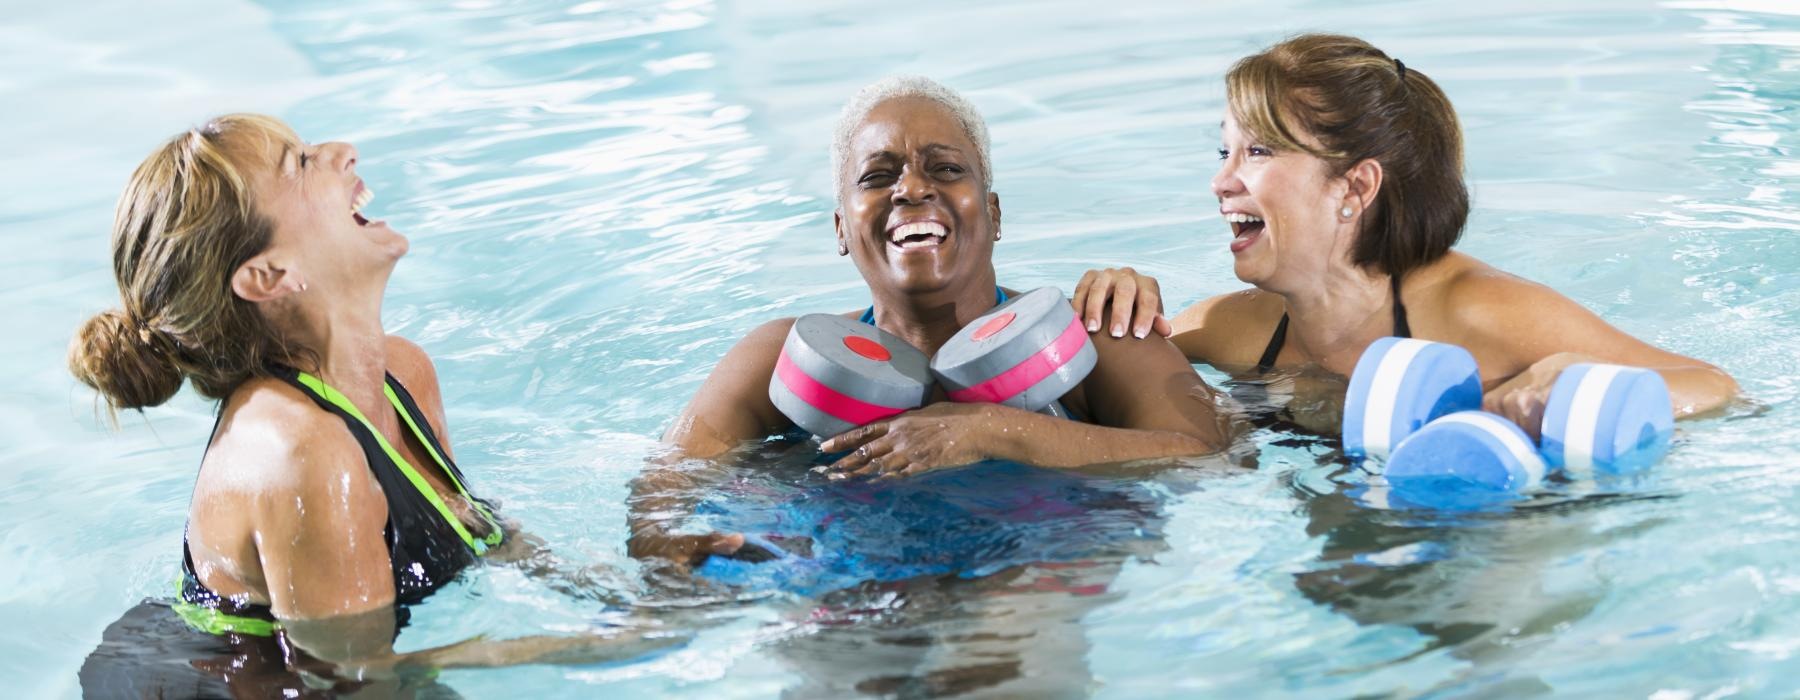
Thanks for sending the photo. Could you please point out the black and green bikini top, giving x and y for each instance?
(427, 545)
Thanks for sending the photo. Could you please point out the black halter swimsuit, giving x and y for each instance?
(214, 646)
(1401, 329)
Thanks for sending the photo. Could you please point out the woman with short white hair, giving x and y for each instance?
(909, 152)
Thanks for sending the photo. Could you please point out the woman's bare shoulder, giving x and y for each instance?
(274, 440)
(1224, 329)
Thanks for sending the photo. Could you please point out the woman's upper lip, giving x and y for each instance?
(917, 220)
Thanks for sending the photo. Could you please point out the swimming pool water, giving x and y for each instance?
(602, 196)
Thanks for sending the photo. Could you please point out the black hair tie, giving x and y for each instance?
(1400, 68)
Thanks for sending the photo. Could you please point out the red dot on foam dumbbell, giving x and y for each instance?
(1025, 353)
(994, 325)
(867, 348)
(835, 374)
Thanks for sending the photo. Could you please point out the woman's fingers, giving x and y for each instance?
(859, 457)
(1079, 299)
(1163, 327)
(1528, 411)
(909, 469)
(855, 437)
(1519, 404)
(883, 453)
(1124, 298)
(1149, 307)
(725, 543)
(688, 550)
(1093, 310)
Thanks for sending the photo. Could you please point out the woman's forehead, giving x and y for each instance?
(906, 124)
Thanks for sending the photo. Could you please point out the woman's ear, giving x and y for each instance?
(837, 224)
(994, 214)
(1364, 180)
(259, 279)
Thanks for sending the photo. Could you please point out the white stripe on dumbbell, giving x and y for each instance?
(1584, 416)
(1503, 431)
(1378, 418)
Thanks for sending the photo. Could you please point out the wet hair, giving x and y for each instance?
(1359, 103)
(896, 87)
(182, 228)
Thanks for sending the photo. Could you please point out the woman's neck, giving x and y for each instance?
(927, 321)
(351, 350)
(1348, 308)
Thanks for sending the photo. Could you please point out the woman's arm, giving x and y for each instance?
(731, 407)
(1526, 334)
(1143, 396)
(325, 561)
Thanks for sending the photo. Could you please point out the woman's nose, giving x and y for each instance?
(1225, 182)
(343, 154)
(913, 187)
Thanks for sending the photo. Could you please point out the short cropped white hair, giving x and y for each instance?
(899, 86)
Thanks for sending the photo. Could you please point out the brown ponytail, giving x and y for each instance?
(1359, 103)
(183, 226)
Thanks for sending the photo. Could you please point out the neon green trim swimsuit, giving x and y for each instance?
(427, 544)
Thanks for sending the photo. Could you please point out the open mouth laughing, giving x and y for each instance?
(1245, 229)
(917, 235)
(361, 198)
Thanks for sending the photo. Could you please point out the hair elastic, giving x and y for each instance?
(1400, 68)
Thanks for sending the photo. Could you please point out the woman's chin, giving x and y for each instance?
(391, 244)
(1248, 272)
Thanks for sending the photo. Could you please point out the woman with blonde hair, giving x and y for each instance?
(328, 497)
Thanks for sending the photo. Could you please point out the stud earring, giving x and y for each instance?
(1346, 211)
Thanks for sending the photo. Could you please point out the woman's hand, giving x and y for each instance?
(683, 550)
(934, 437)
(1135, 298)
(1522, 398)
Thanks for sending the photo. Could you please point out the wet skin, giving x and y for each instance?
(911, 163)
(1298, 259)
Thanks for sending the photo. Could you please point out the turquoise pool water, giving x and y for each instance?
(602, 196)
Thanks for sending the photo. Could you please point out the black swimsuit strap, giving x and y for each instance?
(1401, 329)
(1275, 342)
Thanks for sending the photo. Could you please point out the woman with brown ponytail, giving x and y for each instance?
(1341, 179)
(328, 497)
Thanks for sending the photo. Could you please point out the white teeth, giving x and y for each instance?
(1242, 218)
(921, 243)
(362, 199)
(930, 228)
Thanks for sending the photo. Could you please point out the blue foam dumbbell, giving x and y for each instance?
(1607, 418)
(1399, 385)
(1413, 402)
